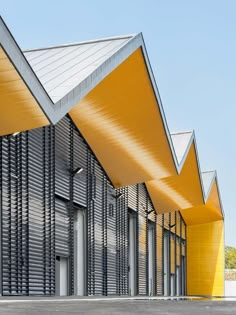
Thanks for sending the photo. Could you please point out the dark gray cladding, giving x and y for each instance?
(28, 216)
(40, 194)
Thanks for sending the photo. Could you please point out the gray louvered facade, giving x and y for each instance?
(40, 195)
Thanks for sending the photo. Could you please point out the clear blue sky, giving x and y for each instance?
(192, 49)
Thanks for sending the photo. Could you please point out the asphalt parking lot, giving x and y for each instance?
(71, 306)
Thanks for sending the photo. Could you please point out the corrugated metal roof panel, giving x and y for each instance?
(60, 69)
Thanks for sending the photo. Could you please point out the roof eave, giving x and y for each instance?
(17, 58)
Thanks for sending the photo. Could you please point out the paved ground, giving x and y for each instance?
(230, 288)
(115, 306)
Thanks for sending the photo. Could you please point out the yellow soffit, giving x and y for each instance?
(121, 121)
(178, 192)
(19, 109)
(210, 211)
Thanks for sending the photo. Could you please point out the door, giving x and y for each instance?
(183, 274)
(132, 254)
(61, 275)
(151, 258)
(172, 284)
(166, 263)
(178, 284)
(80, 251)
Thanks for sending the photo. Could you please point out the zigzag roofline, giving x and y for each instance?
(192, 140)
(56, 111)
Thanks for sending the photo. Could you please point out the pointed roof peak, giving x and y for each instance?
(181, 142)
(62, 68)
(207, 180)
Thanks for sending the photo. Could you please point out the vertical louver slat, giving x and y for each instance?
(118, 245)
(159, 249)
(90, 220)
(14, 215)
(97, 189)
(111, 227)
(142, 230)
(41, 232)
(122, 241)
(132, 199)
(62, 228)
(62, 140)
(51, 209)
(125, 243)
(80, 161)
(25, 212)
(36, 211)
(71, 208)
(104, 235)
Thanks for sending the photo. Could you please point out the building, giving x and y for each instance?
(97, 197)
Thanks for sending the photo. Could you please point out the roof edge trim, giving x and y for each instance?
(82, 42)
(65, 104)
(17, 58)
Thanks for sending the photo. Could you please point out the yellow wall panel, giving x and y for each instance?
(205, 259)
(172, 255)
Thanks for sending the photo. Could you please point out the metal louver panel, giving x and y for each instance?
(132, 197)
(159, 249)
(27, 170)
(97, 188)
(142, 235)
(62, 228)
(41, 230)
(38, 217)
(91, 226)
(14, 180)
(80, 160)
(122, 241)
(110, 228)
(62, 146)
(64, 180)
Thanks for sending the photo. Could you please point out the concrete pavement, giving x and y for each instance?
(114, 306)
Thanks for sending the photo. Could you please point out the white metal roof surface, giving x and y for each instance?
(207, 179)
(61, 69)
(181, 142)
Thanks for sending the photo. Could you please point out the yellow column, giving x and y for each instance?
(205, 259)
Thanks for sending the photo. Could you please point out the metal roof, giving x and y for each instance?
(181, 142)
(12, 53)
(207, 180)
(64, 75)
(60, 69)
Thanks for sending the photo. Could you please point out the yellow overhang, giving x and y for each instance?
(121, 121)
(181, 191)
(208, 212)
(19, 109)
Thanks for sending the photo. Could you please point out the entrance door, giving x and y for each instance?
(80, 252)
(166, 263)
(172, 284)
(178, 284)
(183, 271)
(151, 258)
(61, 275)
(132, 254)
